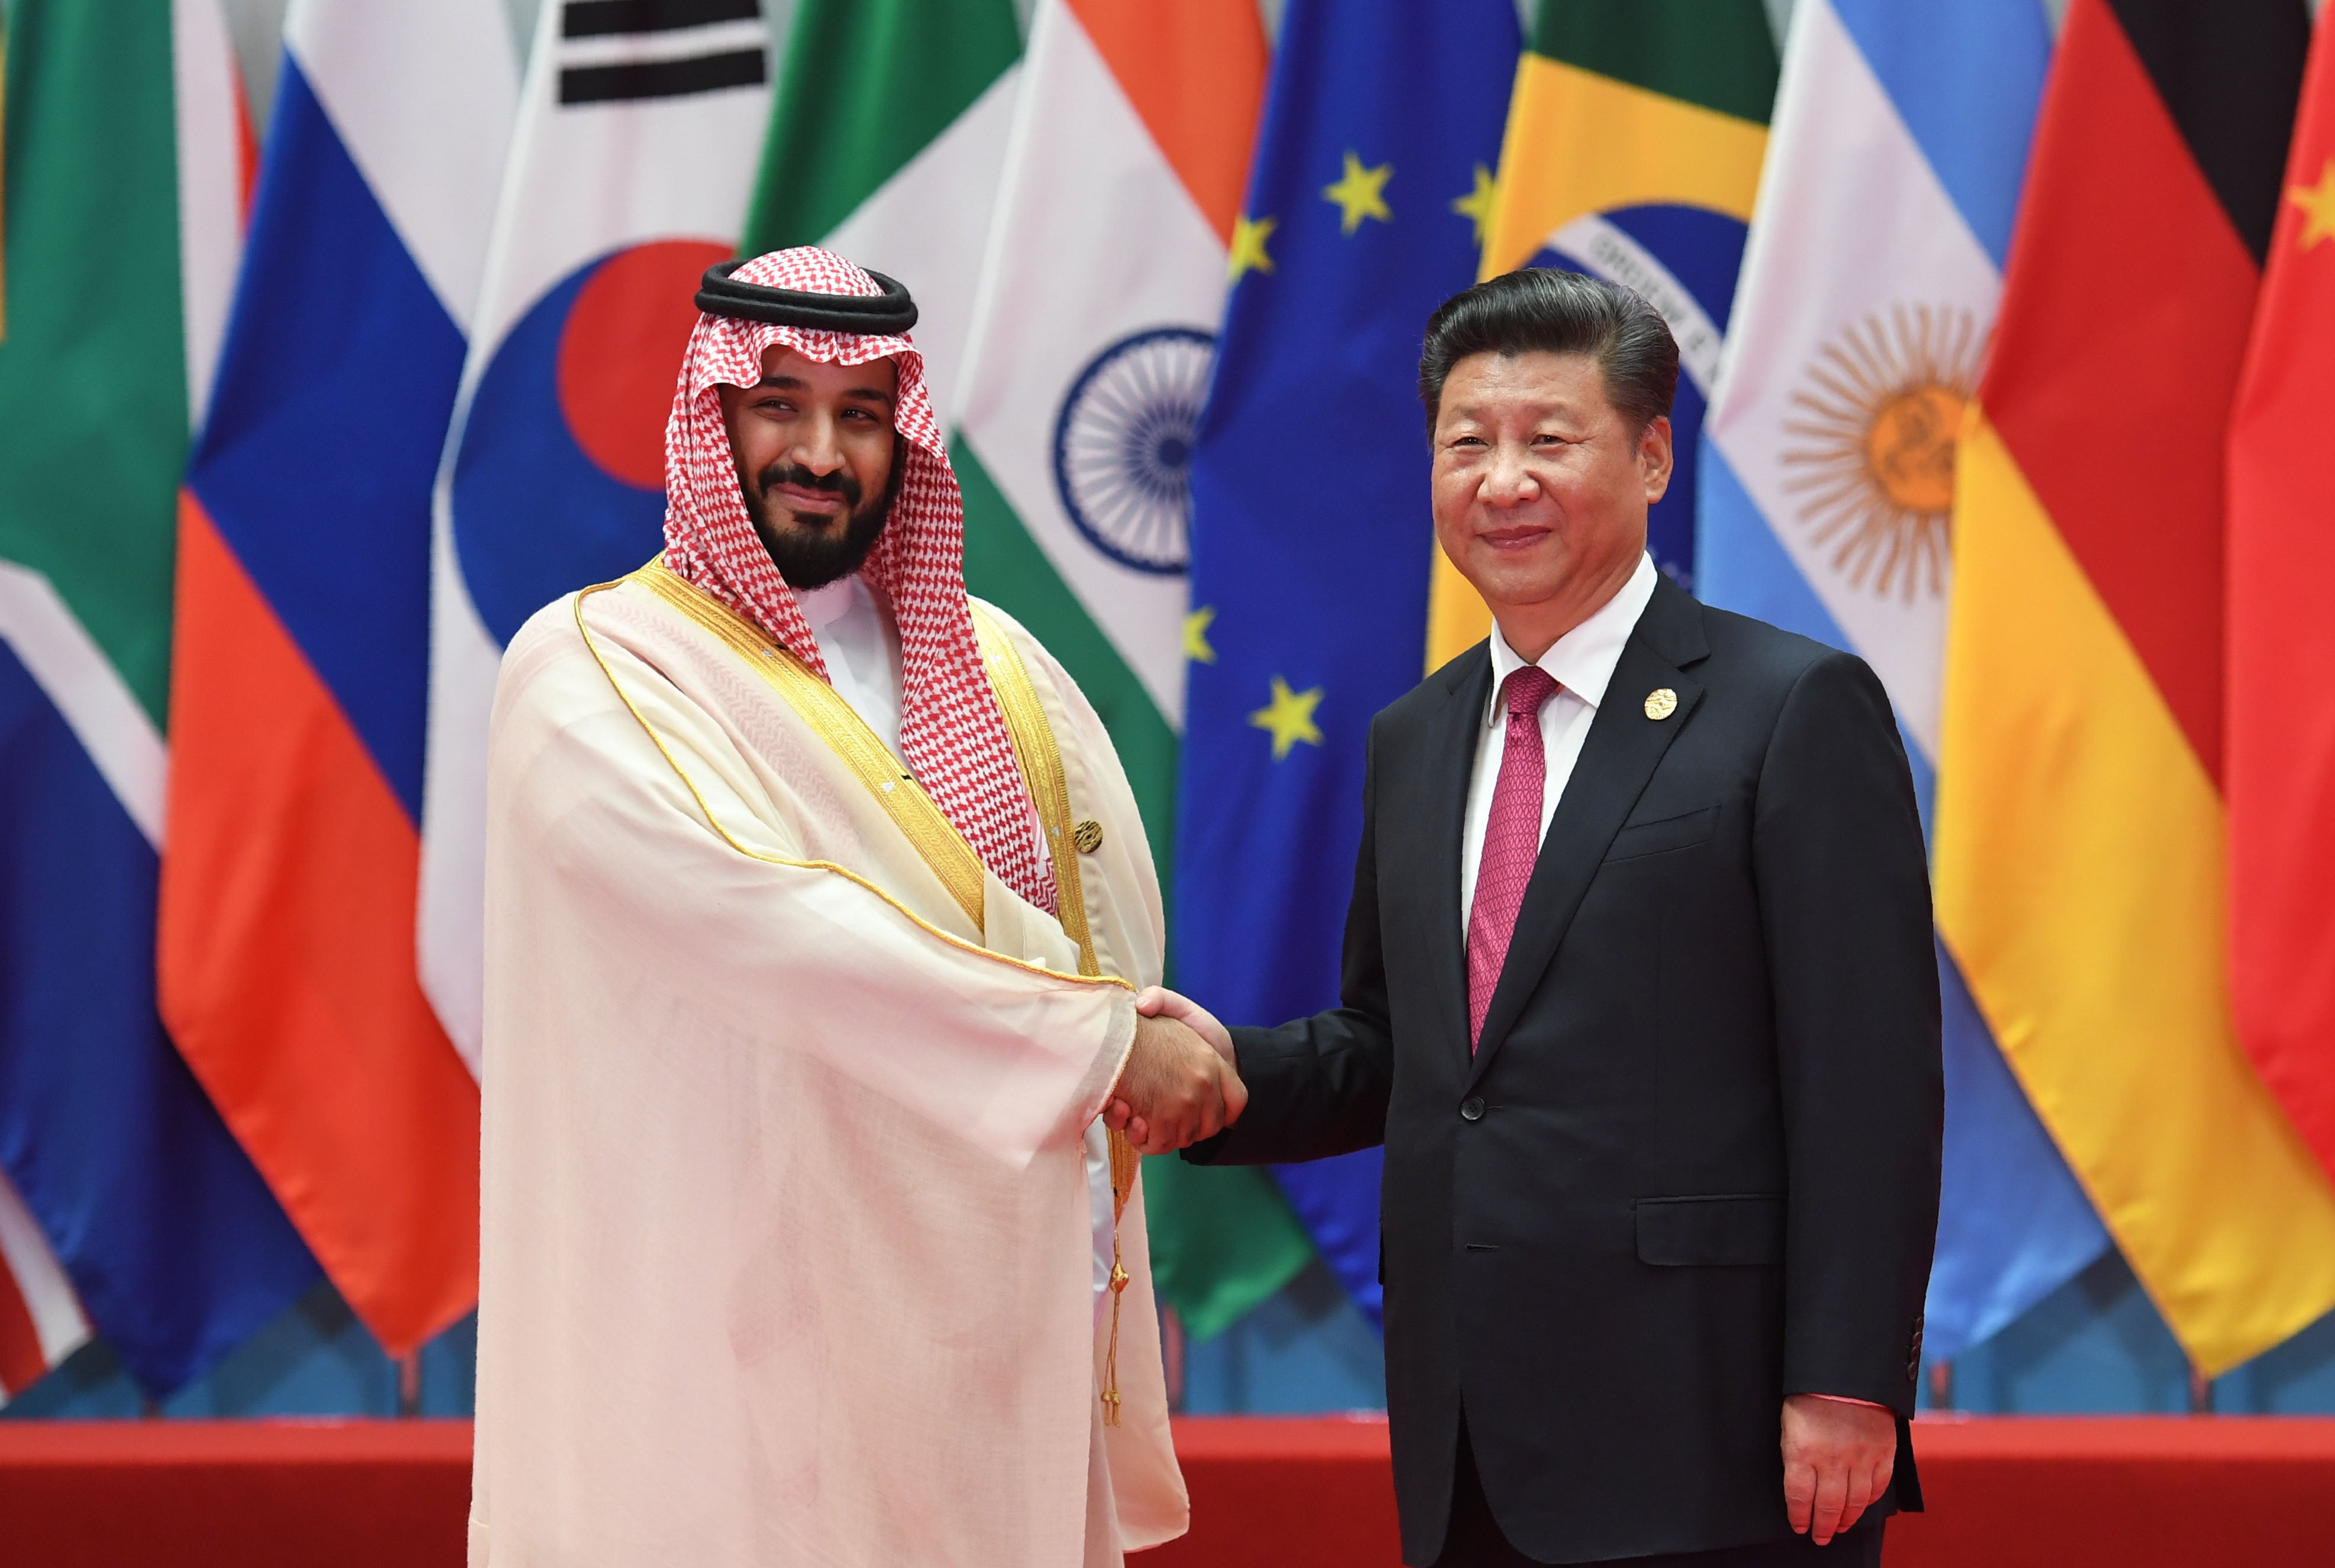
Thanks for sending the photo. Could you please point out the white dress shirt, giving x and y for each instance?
(1582, 662)
(860, 643)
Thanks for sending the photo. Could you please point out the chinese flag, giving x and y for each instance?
(2281, 703)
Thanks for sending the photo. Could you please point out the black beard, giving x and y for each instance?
(817, 550)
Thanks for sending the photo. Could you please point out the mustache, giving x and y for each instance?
(840, 481)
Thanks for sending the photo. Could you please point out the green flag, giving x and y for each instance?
(97, 343)
(888, 135)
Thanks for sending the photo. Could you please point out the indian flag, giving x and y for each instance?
(1094, 331)
(1092, 340)
(886, 144)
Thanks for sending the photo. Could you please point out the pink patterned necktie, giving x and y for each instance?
(1511, 841)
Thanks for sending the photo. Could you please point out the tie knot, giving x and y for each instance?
(1526, 689)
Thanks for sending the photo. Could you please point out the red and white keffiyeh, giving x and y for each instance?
(951, 728)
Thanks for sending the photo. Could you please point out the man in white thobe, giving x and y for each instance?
(818, 909)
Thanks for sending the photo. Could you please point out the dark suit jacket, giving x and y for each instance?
(1694, 1166)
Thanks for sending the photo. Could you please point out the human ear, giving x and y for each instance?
(1655, 458)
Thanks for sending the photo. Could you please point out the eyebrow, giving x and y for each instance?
(797, 384)
(1550, 410)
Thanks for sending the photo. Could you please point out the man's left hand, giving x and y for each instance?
(1838, 1457)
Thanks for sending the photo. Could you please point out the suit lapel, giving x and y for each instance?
(1622, 749)
(1447, 752)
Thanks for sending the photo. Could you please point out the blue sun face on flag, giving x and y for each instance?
(560, 480)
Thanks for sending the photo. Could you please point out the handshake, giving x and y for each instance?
(1180, 1083)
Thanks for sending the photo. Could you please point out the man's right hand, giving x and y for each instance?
(1159, 1002)
(1175, 1090)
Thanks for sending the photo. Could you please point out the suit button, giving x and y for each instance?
(1472, 1108)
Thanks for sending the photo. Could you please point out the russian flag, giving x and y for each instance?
(287, 952)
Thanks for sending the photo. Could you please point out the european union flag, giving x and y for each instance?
(1311, 537)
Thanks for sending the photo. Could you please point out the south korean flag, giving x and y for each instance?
(640, 125)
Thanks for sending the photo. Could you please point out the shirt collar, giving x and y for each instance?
(829, 602)
(1583, 660)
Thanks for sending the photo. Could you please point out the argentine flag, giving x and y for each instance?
(1868, 291)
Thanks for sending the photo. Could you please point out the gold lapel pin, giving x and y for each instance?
(1087, 836)
(1661, 702)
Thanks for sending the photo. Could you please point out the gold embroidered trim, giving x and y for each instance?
(1040, 761)
(1040, 757)
(713, 822)
(914, 813)
(1011, 681)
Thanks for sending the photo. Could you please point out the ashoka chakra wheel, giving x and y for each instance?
(1123, 446)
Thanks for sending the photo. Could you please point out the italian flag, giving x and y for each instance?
(1093, 333)
(886, 144)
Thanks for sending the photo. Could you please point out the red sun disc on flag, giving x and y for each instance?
(620, 352)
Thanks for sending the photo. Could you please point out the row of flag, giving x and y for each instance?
(297, 442)
(2003, 364)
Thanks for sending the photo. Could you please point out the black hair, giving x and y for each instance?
(1541, 309)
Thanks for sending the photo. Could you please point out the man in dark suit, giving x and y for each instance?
(1640, 995)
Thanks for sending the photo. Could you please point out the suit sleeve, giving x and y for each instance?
(1844, 888)
(1318, 1087)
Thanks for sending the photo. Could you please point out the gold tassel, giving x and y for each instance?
(1040, 762)
(1110, 1357)
(1124, 1163)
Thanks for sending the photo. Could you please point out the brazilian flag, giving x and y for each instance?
(1634, 146)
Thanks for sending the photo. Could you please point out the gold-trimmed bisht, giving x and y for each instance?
(928, 846)
(1040, 761)
(918, 816)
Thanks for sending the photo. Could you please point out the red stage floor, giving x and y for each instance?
(2005, 1493)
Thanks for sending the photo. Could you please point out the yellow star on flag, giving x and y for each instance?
(1360, 193)
(1249, 235)
(1288, 718)
(2318, 204)
(1195, 634)
(1477, 205)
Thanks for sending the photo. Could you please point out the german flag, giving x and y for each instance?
(1635, 141)
(2281, 710)
(2080, 827)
